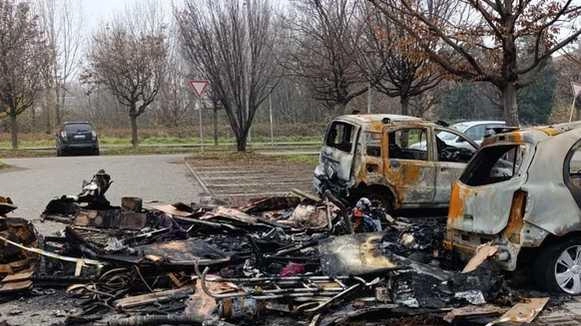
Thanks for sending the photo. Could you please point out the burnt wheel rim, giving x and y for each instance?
(568, 270)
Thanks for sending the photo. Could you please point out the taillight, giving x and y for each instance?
(63, 134)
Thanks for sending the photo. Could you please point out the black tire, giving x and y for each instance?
(96, 152)
(59, 152)
(545, 268)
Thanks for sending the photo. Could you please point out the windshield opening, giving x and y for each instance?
(494, 164)
(341, 136)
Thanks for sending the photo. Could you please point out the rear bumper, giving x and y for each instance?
(466, 244)
(79, 146)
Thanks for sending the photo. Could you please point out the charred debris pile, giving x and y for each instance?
(291, 258)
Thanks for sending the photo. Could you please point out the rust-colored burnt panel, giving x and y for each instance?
(550, 131)
(517, 137)
(13, 259)
(410, 180)
(515, 220)
(456, 210)
(376, 126)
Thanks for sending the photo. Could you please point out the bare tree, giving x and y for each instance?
(233, 46)
(176, 100)
(63, 23)
(323, 50)
(129, 61)
(23, 53)
(394, 61)
(573, 55)
(487, 40)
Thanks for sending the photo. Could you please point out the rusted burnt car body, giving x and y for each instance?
(397, 160)
(522, 192)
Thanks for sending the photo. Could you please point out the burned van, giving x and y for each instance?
(398, 161)
(522, 194)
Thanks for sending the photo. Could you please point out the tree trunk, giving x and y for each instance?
(215, 125)
(339, 107)
(134, 138)
(46, 102)
(62, 107)
(510, 105)
(57, 105)
(14, 131)
(33, 117)
(241, 142)
(405, 102)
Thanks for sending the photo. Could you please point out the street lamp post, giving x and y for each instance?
(369, 86)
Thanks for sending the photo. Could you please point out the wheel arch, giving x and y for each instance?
(527, 254)
(382, 189)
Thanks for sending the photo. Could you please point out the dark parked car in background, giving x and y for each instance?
(77, 137)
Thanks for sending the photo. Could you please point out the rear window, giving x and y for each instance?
(494, 164)
(341, 136)
(77, 127)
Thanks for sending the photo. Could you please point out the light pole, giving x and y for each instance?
(369, 91)
(369, 87)
(271, 119)
(247, 67)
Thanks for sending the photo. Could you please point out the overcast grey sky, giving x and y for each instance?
(97, 11)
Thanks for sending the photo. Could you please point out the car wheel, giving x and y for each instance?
(96, 152)
(558, 267)
(59, 152)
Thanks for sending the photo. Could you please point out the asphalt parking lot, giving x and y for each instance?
(32, 182)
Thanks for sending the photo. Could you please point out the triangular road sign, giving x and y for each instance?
(199, 86)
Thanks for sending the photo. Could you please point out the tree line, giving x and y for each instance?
(443, 58)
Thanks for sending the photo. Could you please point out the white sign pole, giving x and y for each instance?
(271, 120)
(576, 91)
(201, 124)
(199, 87)
(572, 109)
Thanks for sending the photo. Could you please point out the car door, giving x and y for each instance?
(410, 168)
(452, 158)
(338, 150)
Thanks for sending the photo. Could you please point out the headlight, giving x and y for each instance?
(63, 134)
(324, 171)
(94, 135)
(329, 171)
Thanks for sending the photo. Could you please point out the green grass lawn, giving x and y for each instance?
(312, 160)
(48, 141)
